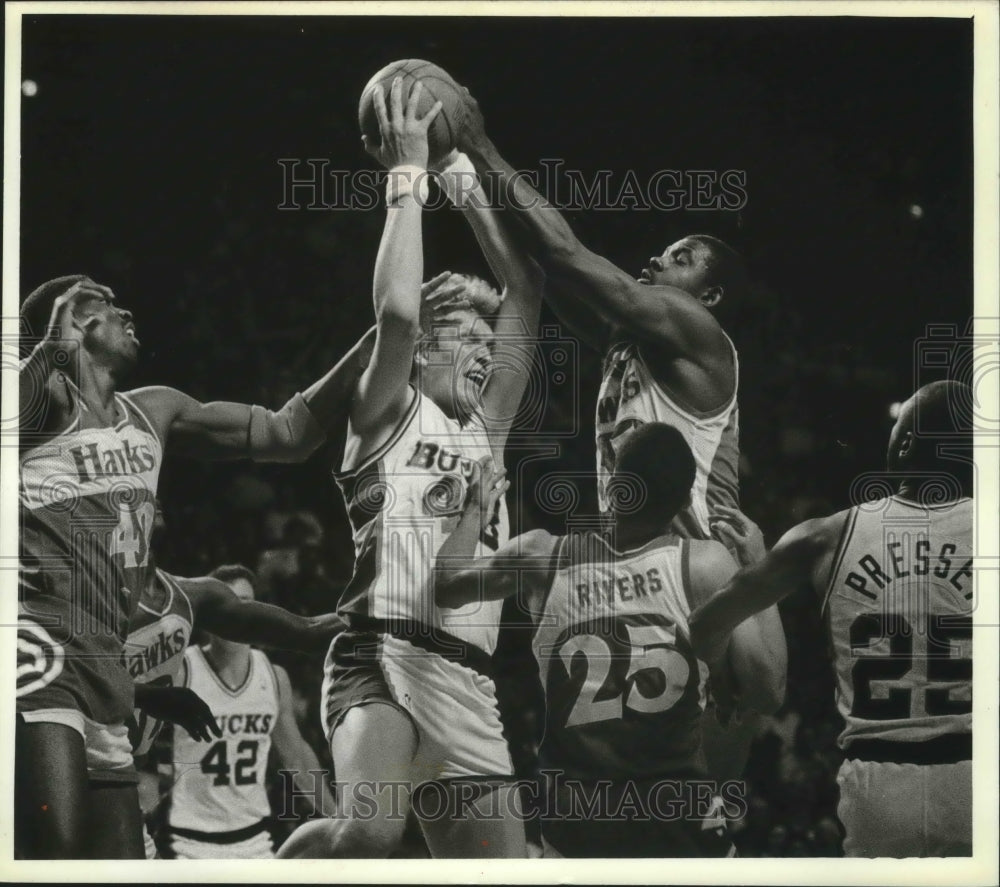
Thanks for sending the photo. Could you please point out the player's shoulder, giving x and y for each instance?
(535, 542)
(815, 536)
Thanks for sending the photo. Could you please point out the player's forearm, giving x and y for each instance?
(549, 238)
(456, 567)
(265, 625)
(399, 267)
(329, 398)
(713, 622)
(579, 319)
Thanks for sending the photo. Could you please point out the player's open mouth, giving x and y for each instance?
(477, 377)
(645, 276)
(130, 332)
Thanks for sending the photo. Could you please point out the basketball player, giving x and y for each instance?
(894, 579)
(408, 697)
(624, 692)
(666, 359)
(160, 632)
(218, 804)
(89, 463)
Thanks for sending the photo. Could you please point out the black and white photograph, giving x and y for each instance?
(500, 442)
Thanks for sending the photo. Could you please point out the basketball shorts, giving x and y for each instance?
(903, 810)
(190, 845)
(109, 752)
(452, 706)
(635, 820)
(63, 663)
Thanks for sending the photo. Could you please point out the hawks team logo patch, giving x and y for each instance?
(39, 658)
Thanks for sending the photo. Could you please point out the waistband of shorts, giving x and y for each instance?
(950, 748)
(233, 837)
(431, 639)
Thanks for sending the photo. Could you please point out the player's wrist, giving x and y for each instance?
(406, 180)
(459, 179)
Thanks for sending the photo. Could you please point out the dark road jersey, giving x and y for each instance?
(154, 650)
(899, 611)
(624, 693)
(87, 506)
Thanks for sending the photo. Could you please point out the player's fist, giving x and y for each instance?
(404, 134)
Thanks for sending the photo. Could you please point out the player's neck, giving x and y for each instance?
(629, 535)
(97, 386)
(230, 661)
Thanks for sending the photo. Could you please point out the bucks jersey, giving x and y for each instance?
(403, 501)
(899, 610)
(154, 650)
(219, 785)
(86, 508)
(630, 397)
(624, 692)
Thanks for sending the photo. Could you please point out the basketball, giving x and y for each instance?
(438, 86)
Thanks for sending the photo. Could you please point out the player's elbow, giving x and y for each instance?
(290, 435)
(398, 318)
(447, 590)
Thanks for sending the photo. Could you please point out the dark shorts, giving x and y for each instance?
(640, 819)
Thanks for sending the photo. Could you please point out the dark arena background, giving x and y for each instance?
(150, 161)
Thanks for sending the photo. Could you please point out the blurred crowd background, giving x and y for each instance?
(150, 161)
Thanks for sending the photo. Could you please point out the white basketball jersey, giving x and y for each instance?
(403, 501)
(154, 650)
(899, 610)
(219, 785)
(630, 397)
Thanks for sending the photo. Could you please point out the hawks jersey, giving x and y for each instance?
(154, 650)
(630, 397)
(899, 611)
(624, 692)
(402, 502)
(86, 506)
(219, 785)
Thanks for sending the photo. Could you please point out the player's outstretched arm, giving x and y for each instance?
(788, 566)
(753, 653)
(219, 611)
(295, 755)
(664, 315)
(221, 430)
(522, 280)
(383, 391)
(460, 577)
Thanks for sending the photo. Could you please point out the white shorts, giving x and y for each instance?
(257, 847)
(452, 707)
(109, 752)
(903, 810)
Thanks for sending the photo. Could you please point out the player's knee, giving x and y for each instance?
(374, 839)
